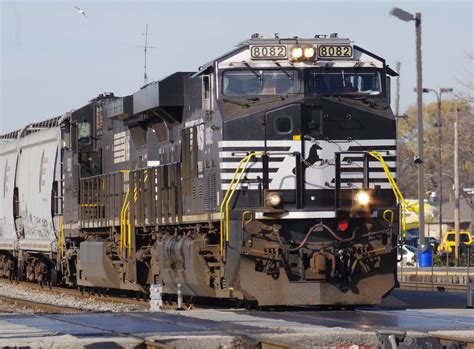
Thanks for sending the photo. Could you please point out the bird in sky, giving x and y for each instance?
(82, 12)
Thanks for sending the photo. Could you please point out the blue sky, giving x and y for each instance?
(54, 60)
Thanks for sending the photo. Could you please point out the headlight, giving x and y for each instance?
(274, 199)
(362, 198)
(296, 53)
(309, 52)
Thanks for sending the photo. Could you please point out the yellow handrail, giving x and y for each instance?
(244, 214)
(61, 240)
(221, 210)
(129, 234)
(123, 221)
(398, 194)
(228, 196)
(125, 225)
(249, 157)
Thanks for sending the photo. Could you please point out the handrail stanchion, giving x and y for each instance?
(398, 195)
(393, 184)
(299, 173)
(401, 263)
(468, 281)
(224, 208)
(416, 274)
(61, 239)
(337, 184)
(249, 157)
(432, 270)
(447, 269)
(469, 293)
(221, 209)
(123, 221)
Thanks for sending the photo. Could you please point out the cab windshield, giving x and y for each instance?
(344, 81)
(463, 237)
(255, 82)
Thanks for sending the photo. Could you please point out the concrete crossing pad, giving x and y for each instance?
(227, 328)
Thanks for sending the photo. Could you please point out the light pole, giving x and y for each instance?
(408, 17)
(456, 184)
(440, 181)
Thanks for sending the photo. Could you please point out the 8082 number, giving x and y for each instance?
(276, 51)
(335, 51)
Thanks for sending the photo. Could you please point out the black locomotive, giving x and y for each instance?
(265, 176)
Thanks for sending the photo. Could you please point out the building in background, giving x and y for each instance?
(432, 228)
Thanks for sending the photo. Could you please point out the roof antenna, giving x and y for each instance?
(145, 47)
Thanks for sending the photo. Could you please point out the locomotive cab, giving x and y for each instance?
(307, 135)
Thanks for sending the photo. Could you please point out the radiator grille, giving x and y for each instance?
(211, 195)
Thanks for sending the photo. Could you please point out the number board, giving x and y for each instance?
(268, 52)
(335, 51)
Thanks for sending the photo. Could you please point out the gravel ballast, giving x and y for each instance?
(20, 291)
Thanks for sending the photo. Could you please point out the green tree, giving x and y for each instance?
(407, 148)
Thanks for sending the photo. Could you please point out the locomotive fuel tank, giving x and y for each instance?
(182, 260)
(96, 268)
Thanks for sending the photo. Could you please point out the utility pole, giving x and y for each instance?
(440, 164)
(419, 102)
(456, 186)
(408, 17)
(397, 121)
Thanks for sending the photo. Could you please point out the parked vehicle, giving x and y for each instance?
(448, 241)
(408, 253)
(411, 238)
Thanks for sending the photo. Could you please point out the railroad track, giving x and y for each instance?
(252, 343)
(90, 294)
(38, 306)
(61, 292)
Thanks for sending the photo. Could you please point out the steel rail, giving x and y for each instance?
(47, 307)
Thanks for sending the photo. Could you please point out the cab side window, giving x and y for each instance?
(84, 133)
